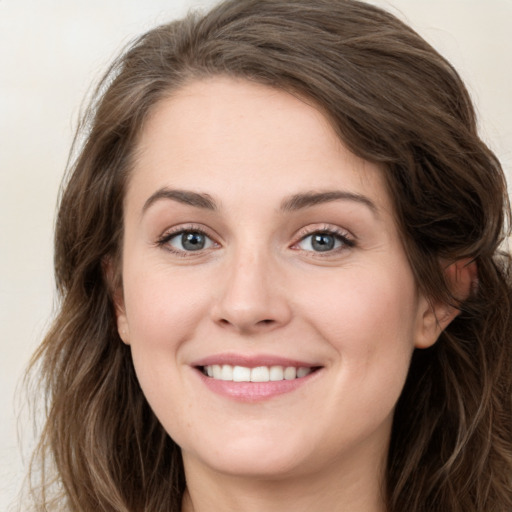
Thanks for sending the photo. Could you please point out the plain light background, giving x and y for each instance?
(51, 51)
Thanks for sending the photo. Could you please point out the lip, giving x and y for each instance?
(253, 391)
(252, 361)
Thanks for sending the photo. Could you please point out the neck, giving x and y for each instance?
(353, 487)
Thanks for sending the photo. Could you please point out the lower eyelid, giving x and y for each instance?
(340, 235)
(343, 240)
(208, 241)
(340, 242)
(165, 239)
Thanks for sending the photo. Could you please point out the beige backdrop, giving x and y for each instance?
(51, 51)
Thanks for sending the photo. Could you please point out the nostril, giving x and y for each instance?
(243, 322)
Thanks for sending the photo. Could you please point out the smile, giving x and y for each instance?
(227, 372)
(256, 377)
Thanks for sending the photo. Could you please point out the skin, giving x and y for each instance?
(260, 287)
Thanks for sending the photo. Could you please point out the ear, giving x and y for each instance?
(122, 321)
(115, 286)
(462, 279)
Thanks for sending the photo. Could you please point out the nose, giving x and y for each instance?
(253, 295)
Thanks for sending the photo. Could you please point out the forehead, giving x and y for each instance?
(223, 132)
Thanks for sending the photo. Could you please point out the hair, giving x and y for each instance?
(393, 100)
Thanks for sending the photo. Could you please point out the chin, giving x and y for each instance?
(256, 458)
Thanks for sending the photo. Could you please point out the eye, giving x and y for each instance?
(324, 241)
(187, 241)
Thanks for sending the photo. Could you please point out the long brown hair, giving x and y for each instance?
(393, 100)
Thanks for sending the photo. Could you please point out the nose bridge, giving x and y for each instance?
(252, 299)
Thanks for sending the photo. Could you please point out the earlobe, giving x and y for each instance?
(116, 291)
(435, 318)
(122, 321)
(462, 278)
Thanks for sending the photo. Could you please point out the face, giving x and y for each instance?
(267, 299)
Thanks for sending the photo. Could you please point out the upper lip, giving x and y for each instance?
(252, 361)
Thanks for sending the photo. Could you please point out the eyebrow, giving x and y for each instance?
(188, 197)
(308, 199)
(293, 203)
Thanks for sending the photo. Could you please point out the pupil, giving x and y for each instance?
(322, 242)
(193, 241)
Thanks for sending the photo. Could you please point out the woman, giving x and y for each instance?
(278, 257)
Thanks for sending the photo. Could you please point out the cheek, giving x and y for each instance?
(163, 312)
(369, 317)
(370, 320)
(162, 307)
(363, 300)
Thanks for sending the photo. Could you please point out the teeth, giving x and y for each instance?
(302, 372)
(276, 373)
(217, 371)
(241, 374)
(257, 374)
(290, 373)
(226, 372)
(260, 374)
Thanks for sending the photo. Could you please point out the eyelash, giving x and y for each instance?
(340, 235)
(164, 240)
(347, 241)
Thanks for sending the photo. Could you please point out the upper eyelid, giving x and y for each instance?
(349, 241)
(172, 232)
(304, 232)
(176, 230)
(324, 228)
(163, 241)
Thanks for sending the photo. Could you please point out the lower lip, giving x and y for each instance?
(253, 391)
